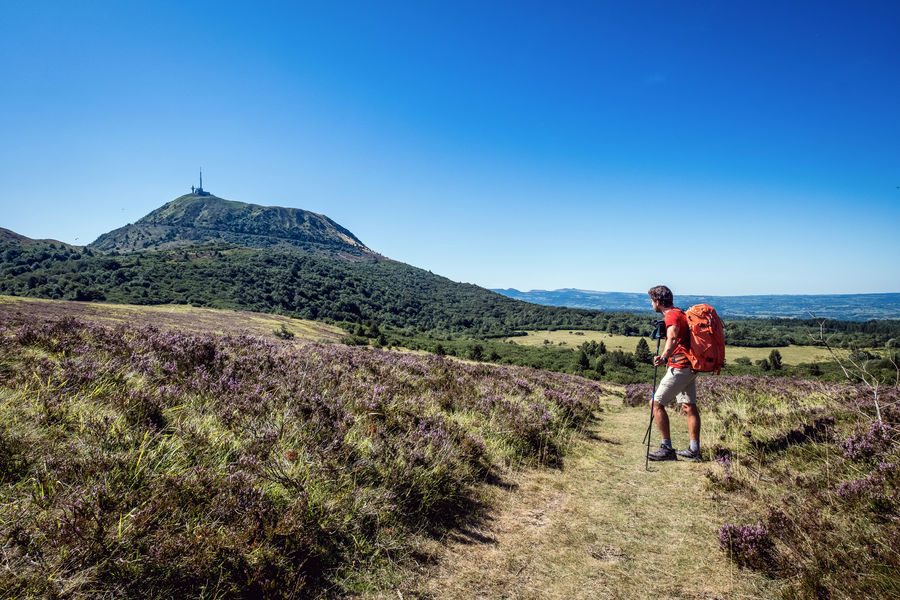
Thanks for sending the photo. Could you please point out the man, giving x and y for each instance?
(679, 383)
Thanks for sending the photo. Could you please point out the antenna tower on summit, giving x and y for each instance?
(199, 191)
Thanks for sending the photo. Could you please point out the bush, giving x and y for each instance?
(284, 333)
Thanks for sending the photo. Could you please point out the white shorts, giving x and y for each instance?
(677, 384)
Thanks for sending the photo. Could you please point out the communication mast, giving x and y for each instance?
(199, 191)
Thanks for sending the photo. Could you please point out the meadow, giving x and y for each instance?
(142, 462)
(791, 355)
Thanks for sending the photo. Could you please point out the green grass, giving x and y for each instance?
(791, 355)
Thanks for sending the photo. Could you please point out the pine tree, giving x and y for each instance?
(775, 359)
(642, 352)
(583, 361)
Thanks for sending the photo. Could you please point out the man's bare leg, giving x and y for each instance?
(661, 417)
(693, 422)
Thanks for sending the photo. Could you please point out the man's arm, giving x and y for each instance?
(671, 336)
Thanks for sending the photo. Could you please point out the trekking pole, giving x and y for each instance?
(657, 334)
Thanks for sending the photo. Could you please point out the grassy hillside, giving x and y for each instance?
(202, 320)
(178, 317)
(151, 462)
(14, 239)
(148, 463)
(281, 280)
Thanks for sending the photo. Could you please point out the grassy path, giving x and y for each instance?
(602, 527)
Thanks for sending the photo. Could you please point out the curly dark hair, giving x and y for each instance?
(661, 294)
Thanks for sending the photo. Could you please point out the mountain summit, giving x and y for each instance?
(201, 218)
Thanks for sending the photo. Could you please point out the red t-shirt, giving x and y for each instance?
(678, 358)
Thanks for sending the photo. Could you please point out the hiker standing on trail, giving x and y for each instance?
(680, 381)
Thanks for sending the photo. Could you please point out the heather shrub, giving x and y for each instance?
(869, 443)
(812, 464)
(878, 487)
(528, 429)
(748, 545)
(724, 479)
(152, 463)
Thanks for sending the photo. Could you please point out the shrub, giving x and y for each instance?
(869, 443)
(748, 546)
(284, 333)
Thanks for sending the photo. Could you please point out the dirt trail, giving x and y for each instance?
(602, 527)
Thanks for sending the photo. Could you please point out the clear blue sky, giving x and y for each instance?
(508, 144)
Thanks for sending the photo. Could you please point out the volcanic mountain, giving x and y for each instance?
(197, 219)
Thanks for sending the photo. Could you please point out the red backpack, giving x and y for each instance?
(707, 351)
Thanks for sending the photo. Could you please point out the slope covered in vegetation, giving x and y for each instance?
(145, 463)
(180, 317)
(282, 280)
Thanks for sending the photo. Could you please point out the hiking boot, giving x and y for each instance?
(663, 453)
(688, 454)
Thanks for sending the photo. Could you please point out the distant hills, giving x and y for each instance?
(846, 307)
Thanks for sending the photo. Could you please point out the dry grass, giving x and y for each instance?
(790, 355)
(172, 316)
(600, 528)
